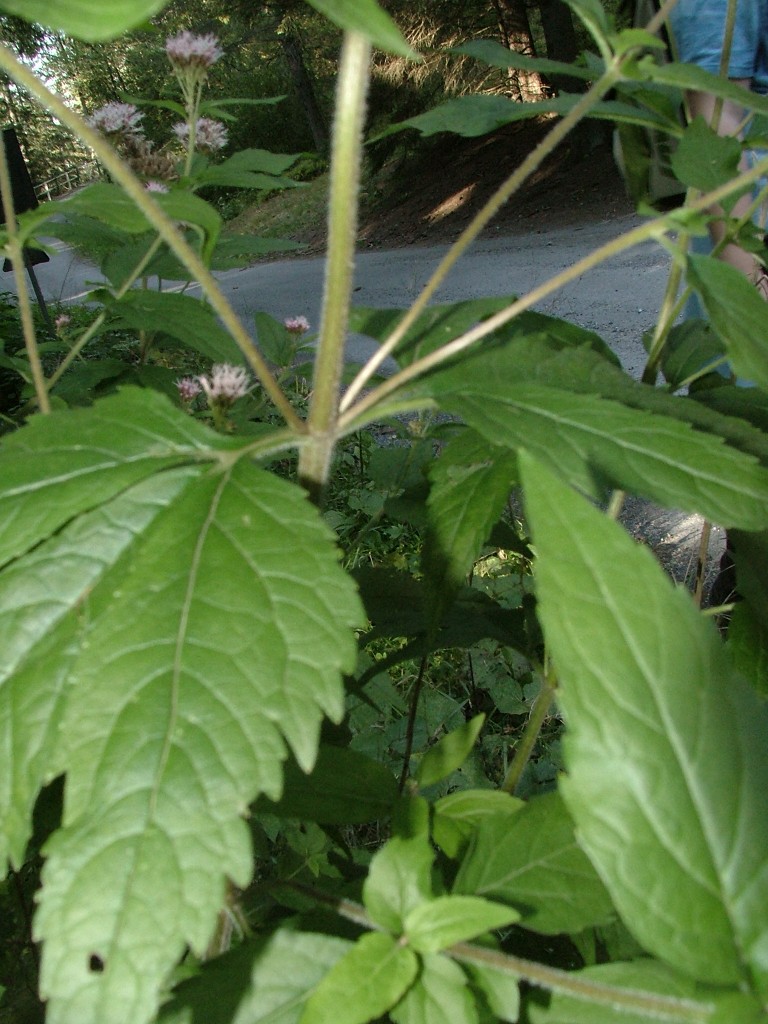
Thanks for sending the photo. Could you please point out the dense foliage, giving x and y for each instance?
(260, 673)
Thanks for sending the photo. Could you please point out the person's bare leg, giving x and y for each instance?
(730, 122)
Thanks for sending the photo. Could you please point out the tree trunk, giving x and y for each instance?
(305, 88)
(560, 39)
(515, 29)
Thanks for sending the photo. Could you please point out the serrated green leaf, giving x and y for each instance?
(445, 920)
(703, 159)
(344, 788)
(263, 982)
(598, 444)
(364, 984)
(533, 861)
(449, 753)
(40, 596)
(440, 994)
(399, 879)
(85, 19)
(458, 815)
(366, 17)
(500, 989)
(60, 465)
(669, 800)
(189, 320)
(737, 312)
(642, 976)
(192, 675)
(441, 323)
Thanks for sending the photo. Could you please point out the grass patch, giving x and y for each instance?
(295, 213)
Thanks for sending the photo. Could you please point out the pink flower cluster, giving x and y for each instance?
(117, 117)
(186, 50)
(188, 388)
(296, 324)
(209, 135)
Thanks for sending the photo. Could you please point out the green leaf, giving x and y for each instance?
(191, 677)
(84, 19)
(693, 78)
(598, 444)
(366, 17)
(471, 481)
(189, 320)
(399, 879)
(449, 753)
(500, 989)
(458, 815)
(737, 313)
(61, 465)
(364, 984)
(445, 920)
(748, 644)
(263, 982)
(344, 788)
(440, 994)
(472, 116)
(703, 159)
(39, 596)
(231, 249)
(251, 168)
(494, 53)
(109, 204)
(665, 744)
(642, 976)
(533, 861)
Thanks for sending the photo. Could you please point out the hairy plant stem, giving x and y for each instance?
(162, 223)
(18, 262)
(551, 979)
(533, 727)
(346, 156)
(657, 228)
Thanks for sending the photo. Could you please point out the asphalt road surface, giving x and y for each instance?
(618, 299)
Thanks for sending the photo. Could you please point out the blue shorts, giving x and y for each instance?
(698, 28)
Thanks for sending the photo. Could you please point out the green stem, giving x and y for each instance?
(86, 336)
(652, 229)
(162, 223)
(552, 979)
(531, 732)
(346, 156)
(16, 255)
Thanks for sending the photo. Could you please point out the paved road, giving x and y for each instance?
(618, 300)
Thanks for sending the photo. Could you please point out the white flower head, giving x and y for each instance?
(225, 384)
(155, 186)
(189, 388)
(62, 321)
(188, 50)
(209, 135)
(296, 324)
(117, 118)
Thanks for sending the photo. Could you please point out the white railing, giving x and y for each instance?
(66, 181)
